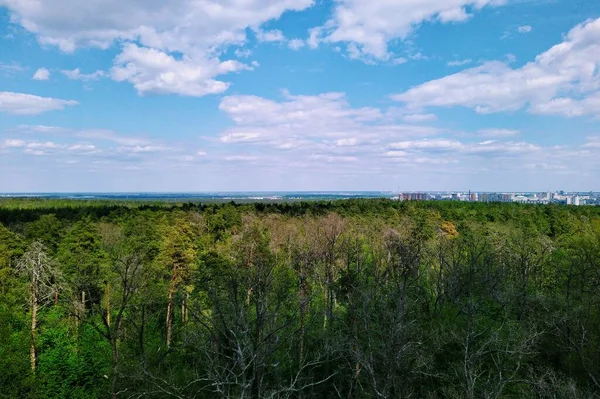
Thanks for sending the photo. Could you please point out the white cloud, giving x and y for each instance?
(396, 154)
(253, 110)
(41, 74)
(180, 25)
(242, 53)
(48, 145)
(434, 161)
(270, 36)
(322, 128)
(28, 104)
(592, 142)
(240, 137)
(369, 25)
(561, 81)
(108, 135)
(296, 44)
(493, 147)
(8, 69)
(349, 142)
(177, 45)
(524, 29)
(333, 158)
(41, 148)
(87, 134)
(35, 152)
(76, 74)
(489, 148)
(459, 62)
(13, 143)
(433, 145)
(313, 37)
(142, 149)
(82, 147)
(153, 71)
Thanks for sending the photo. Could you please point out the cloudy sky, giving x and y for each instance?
(236, 95)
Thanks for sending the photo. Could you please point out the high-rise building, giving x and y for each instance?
(414, 197)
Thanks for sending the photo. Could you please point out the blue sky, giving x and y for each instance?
(253, 95)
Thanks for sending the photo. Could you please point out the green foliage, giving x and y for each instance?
(353, 299)
(82, 259)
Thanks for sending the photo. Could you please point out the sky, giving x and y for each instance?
(299, 95)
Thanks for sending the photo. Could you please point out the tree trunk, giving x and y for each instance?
(184, 311)
(34, 310)
(108, 304)
(169, 321)
(249, 266)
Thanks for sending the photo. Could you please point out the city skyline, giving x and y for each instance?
(299, 95)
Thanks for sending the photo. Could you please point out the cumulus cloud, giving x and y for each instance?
(28, 104)
(199, 31)
(322, 128)
(41, 74)
(564, 80)
(367, 26)
(76, 74)
(154, 71)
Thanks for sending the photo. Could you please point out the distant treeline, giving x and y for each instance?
(340, 299)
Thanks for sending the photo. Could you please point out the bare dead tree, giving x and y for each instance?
(44, 282)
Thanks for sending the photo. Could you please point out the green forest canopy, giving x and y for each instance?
(350, 299)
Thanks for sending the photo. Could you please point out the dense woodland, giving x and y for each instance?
(345, 299)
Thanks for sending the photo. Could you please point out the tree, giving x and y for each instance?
(43, 280)
(179, 254)
(82, 259)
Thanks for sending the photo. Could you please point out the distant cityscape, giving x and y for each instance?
(558, 197)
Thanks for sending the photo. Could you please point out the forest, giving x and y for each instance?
(342, 299)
